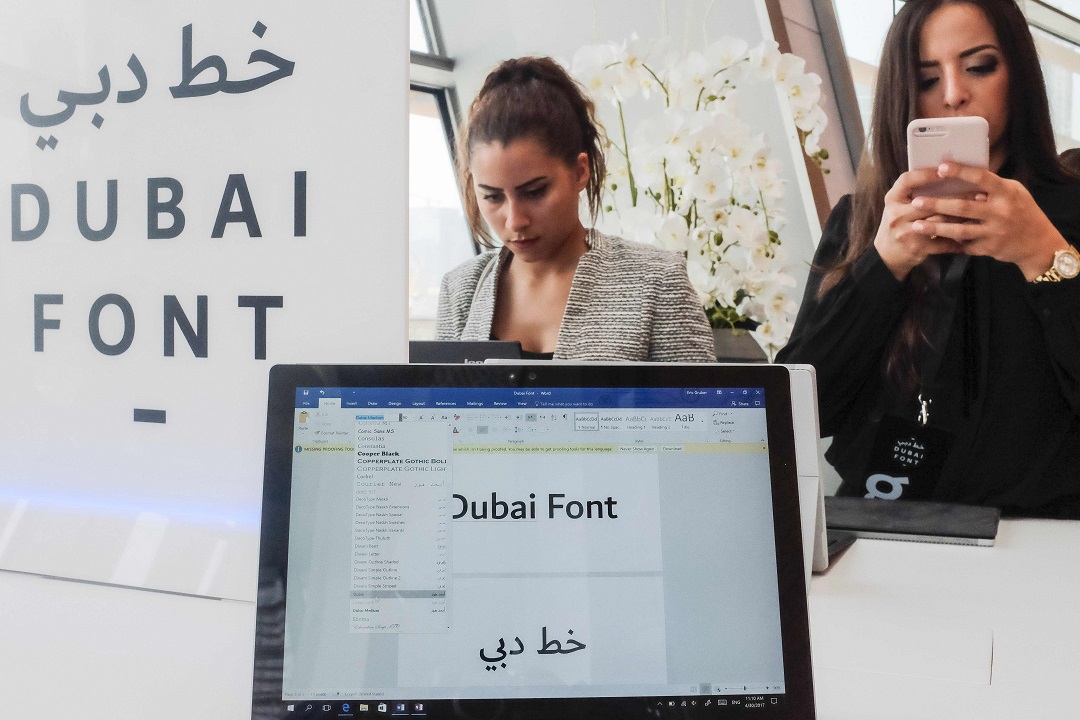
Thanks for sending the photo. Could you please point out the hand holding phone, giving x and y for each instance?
(962, 140)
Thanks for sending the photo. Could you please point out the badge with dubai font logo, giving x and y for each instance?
(905, 459)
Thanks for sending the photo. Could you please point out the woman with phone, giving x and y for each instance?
(946, 330)
(530, 147)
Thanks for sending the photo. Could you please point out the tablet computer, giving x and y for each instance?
(559, 541)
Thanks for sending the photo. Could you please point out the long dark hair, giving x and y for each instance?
(1029, 142)
(535, 98)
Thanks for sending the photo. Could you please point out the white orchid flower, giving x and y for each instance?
(592, 67)
(804, 91)
(788, 68)
(707, 183)
(725, 52)
(711, 184)
(765, 57)
(689, 78)
(673, 233)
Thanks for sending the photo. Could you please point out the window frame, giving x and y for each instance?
(433, 73)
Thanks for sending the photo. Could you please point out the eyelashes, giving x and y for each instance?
(984, 67)
(530, 194)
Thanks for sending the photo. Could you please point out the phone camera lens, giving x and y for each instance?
(532, 376)
(922, 129)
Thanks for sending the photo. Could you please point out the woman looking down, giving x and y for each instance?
(530, 147)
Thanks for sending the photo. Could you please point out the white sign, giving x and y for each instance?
(192, 192)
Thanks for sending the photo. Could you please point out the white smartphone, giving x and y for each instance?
(932, 141)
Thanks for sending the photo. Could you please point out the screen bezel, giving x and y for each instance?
(798, 699)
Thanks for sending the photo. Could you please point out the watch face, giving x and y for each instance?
(1067, 263)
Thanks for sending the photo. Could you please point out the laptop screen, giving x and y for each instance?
(499, 544)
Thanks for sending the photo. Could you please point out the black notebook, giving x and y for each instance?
(914, 520)
(462, 351)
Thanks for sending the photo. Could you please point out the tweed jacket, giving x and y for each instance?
(628, 301)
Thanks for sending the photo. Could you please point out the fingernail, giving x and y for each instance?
(918, 202)
(981, 197)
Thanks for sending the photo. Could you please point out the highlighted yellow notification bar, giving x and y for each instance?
(535, 449)
(741, 448)
(319, 448)
(719, 448)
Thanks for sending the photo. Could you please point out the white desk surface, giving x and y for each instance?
(914, 630)
(901, 630)
(71, 649)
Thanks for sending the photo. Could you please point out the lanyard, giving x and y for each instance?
(942, 310)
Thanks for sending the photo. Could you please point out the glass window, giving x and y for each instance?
(1072, 7)
(1061, 67)
(439, 238)
(438, 233)
(418, 36)
(863, 26)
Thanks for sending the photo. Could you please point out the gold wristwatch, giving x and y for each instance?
(1066, 266)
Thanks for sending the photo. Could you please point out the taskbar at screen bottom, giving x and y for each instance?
(764, 707)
